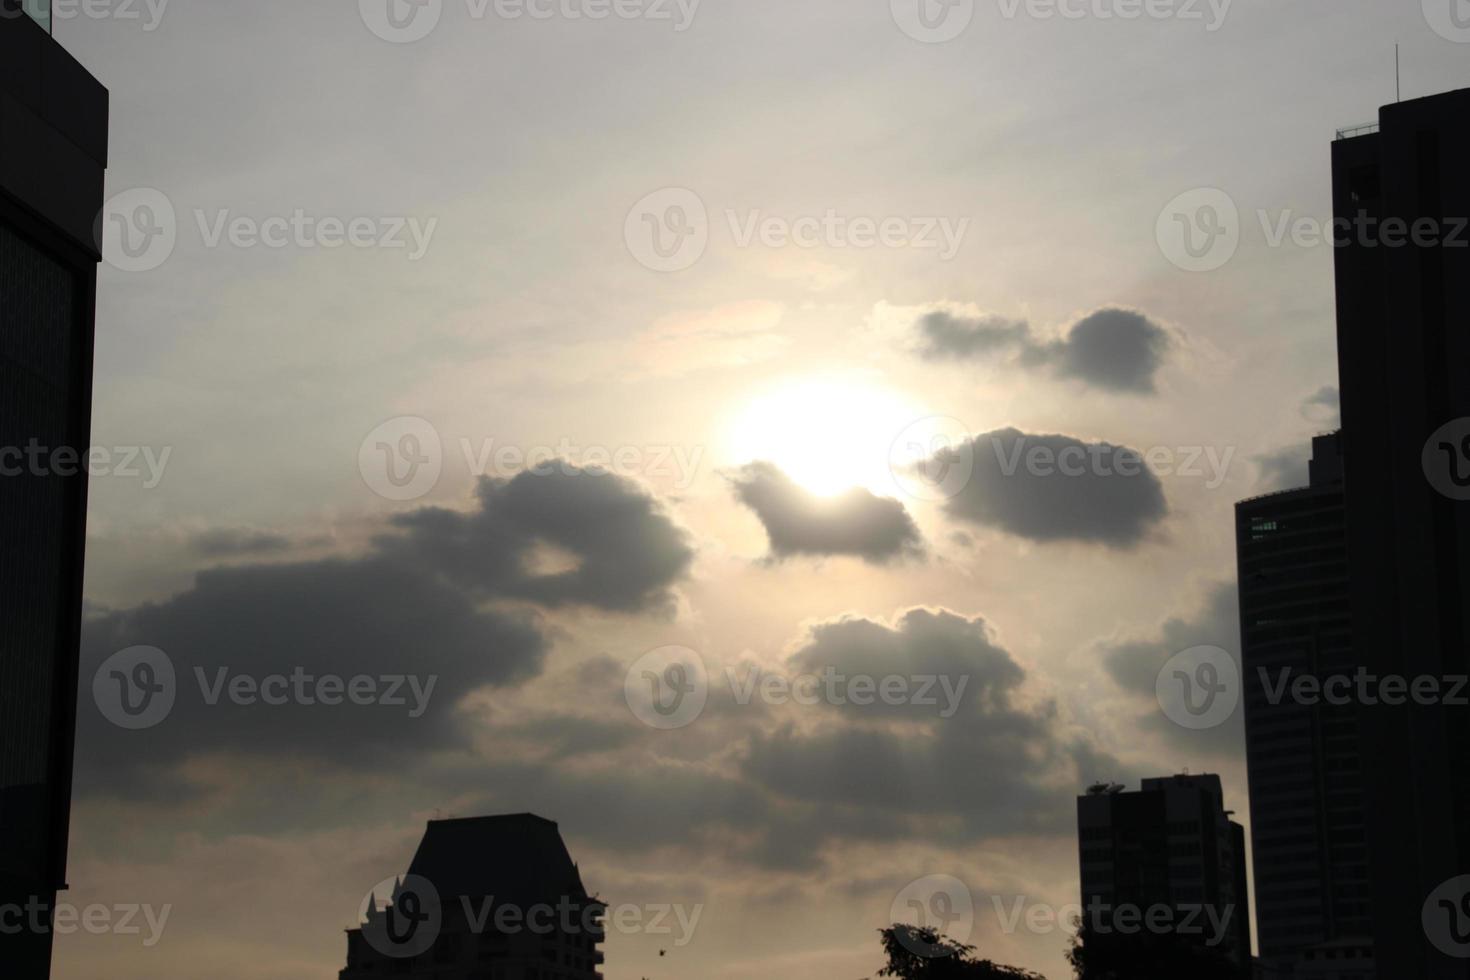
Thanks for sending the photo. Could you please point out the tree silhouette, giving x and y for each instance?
(925, 954)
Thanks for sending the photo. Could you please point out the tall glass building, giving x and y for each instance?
(53, 149)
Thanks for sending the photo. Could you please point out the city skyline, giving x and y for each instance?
(790, 448)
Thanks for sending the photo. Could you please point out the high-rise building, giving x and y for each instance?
(1307, 833)
(53, 152)
(484, 897)
(1170, 844)
(1401, 197)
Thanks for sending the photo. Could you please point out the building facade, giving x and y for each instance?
(53, 152)
(485, 898)
(1309, 843)
(1403, 311)
(1171, 843)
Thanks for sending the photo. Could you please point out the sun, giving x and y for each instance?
(829, 434)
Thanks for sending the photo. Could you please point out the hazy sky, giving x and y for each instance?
(736, 252)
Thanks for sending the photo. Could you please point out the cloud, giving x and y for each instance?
(1002, 764)
(1055, 488)
(1134, 665)
(1112, 349)
(627, 551)
(412, 606)
(1323, 407)
(798, 522)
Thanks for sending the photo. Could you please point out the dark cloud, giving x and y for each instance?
(413, 606)
(1135, 664)
(1001, 764)
(1112, 349)
(1323, 407)
(1055, 488)
(798, 522)
(944, 336)
(234, 543)
(627, 550)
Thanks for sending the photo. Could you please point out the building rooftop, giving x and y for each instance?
(517, 858)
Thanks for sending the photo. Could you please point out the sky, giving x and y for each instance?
(513, 355)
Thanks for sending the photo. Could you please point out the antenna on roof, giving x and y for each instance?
(1398, 85)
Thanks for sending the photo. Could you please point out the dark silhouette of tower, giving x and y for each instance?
(53, 151)
(484, 896)
(1401, 196)
(1307, 829)
(1171, 844)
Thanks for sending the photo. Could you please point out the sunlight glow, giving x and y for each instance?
(828, 434)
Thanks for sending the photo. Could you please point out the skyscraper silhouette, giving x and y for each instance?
(1307, 830)
(53, 151)
(1170, 844)
(1403, 310)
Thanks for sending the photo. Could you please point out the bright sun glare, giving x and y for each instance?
(827, 434)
